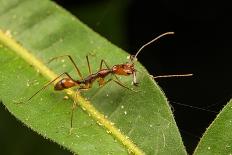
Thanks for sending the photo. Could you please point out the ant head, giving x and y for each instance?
(64, 84)
(131, 59)
(126, 70)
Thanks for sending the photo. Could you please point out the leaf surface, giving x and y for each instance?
(217, 138)
(112, 120)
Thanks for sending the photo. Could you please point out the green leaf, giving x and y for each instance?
(113, 121)
(217, 138)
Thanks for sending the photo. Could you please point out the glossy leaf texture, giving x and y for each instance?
(46, 31)
(217, 138)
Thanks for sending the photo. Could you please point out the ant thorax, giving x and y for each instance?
(123, 69)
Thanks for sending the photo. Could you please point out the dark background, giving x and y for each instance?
(202, 45)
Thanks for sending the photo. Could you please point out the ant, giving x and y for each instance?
(125, 69)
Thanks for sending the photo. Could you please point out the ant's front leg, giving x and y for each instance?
(119, 83)
(134, 82)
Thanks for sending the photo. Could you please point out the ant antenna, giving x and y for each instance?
(134, 57)
(153, 40)
(167, 76)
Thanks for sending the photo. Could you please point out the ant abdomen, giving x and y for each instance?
(64, 84)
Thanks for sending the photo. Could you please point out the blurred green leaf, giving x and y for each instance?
(217, 138)
(46, 30)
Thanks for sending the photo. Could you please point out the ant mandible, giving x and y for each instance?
(125, 69)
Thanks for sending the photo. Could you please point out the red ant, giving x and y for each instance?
(125, 69)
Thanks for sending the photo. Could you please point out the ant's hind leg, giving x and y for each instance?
(74, 106)
(47, 84)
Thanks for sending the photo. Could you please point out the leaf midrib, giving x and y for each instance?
(84, 104)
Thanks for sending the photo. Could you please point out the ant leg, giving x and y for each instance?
(101, 64)
(72, 61)
(135, 83)
(74, 105)
(103, 83)
(121, 84)
(87, 58)
(47, 84)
